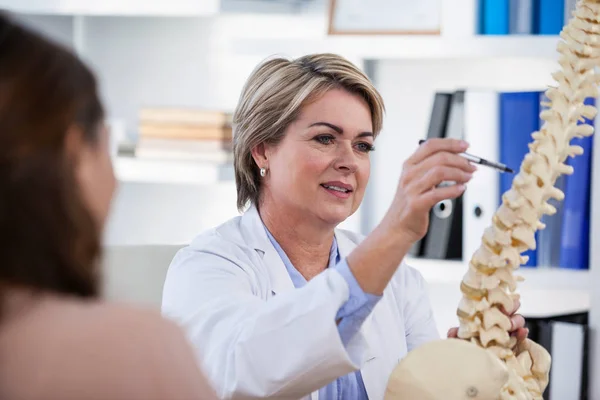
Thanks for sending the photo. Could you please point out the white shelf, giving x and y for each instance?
(132, 169)
(114, 7)
(404, 47)
(545, 291)
(444, 271)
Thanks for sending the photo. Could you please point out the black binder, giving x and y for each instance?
(437, 129)
(566, 338)
(444, 235)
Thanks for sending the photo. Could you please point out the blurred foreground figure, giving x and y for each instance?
(57, 339)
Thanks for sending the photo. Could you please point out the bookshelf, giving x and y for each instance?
(405, 47)
(544, 292)
(450, 271)
(114, 7)
(171, 171)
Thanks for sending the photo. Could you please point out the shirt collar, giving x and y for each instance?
(297, 278)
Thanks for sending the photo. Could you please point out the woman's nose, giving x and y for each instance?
(346, 159)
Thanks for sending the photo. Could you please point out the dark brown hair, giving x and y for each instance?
(48, 238)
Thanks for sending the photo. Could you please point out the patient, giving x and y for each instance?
(57, 339)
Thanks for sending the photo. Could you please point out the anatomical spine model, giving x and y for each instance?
(485, 361)
(490, 283)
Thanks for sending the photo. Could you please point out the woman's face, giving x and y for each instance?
(96, 177)
(321, 167)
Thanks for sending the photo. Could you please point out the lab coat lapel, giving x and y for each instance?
(371, 367)
(255, 234)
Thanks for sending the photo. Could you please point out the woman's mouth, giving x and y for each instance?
(339, 190)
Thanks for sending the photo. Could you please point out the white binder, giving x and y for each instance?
(568, 360)
(480, 199)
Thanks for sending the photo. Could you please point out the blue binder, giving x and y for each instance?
(575, 235)
(519, 118)
(494, 17)
(550, 16)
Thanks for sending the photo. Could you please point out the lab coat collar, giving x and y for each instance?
(255, 235)
(344, 243)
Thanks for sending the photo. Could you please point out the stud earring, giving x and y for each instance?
(263, 172)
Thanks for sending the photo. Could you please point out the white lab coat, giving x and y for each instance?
(259, 337)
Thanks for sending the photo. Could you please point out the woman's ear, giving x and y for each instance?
(259, 154)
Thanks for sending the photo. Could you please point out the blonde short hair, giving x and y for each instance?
(272, 99)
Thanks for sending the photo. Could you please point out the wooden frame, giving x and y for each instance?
(334, 9)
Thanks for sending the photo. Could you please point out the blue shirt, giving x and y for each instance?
(352, 314)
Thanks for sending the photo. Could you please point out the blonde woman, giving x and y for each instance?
(279, 302)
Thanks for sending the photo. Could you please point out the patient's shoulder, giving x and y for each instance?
(107, 323)
(135, 335)
(111, 350)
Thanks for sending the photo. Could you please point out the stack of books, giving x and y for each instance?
(185, 134)
(523, 17)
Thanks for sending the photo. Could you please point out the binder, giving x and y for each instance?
(444, 236)
(481, 194)
(566, 338)
(575, 235)
(437, 128)
(550, 16)
(494, 16)
(519, 118)
(521, 17)
(567, 351)
(570, 6)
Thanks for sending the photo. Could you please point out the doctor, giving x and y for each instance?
(279, 302)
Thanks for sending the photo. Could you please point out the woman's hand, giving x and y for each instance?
(377, 258)
(435, 161)
(517, 329)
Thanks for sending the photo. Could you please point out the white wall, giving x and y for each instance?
(173, 214)
(59, 27)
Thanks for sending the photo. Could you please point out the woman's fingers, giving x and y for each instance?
(434, 196)
(434, 162)
(436, 175)
(435, 167)
(448, 159)
(517, 321)
(452, 332)
(521, 334)
(432, 146)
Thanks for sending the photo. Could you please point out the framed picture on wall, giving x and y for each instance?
(384, 17)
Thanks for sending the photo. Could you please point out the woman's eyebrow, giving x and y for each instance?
(339, 129)
(327, 124)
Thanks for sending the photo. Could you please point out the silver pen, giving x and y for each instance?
(482, 161)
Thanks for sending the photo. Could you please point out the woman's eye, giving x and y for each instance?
(324, 139)
(365, 147)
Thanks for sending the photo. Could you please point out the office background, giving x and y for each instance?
(198, 53)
